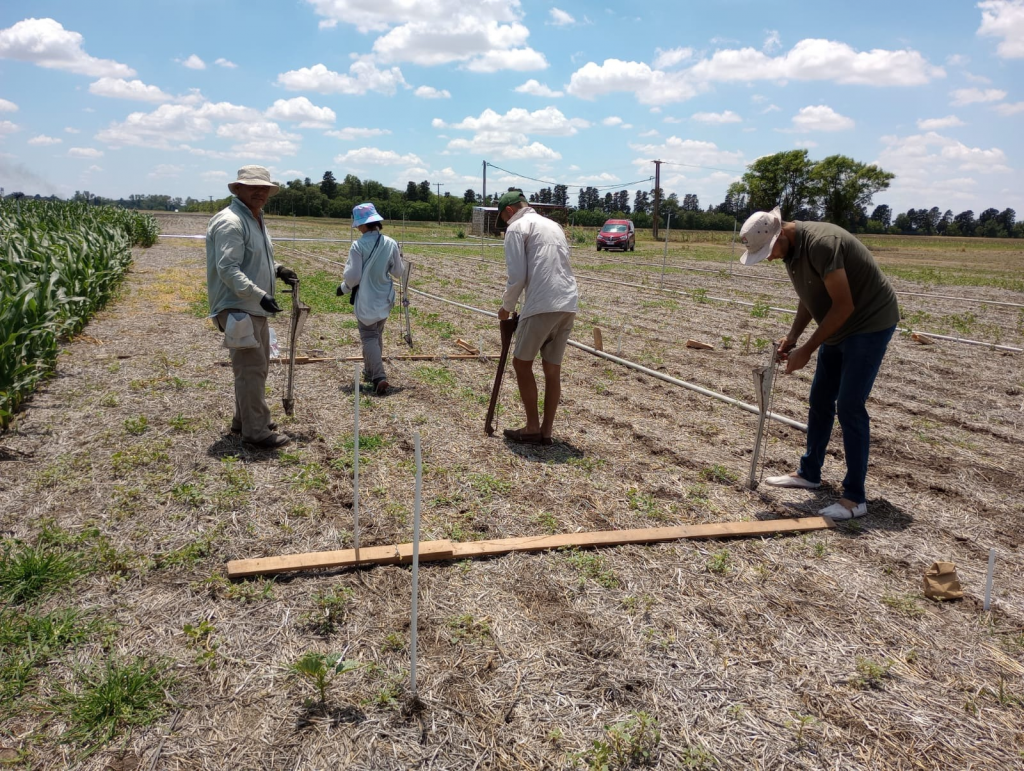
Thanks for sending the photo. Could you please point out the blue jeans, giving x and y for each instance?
(842, 383)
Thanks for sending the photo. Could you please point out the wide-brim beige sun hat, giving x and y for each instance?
(759, 234)
(253, 176)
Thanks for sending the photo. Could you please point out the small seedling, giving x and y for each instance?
(628, 744)
(136, 426)
(590, 565)
(548, 521)
(720, 474)
(800, 723)
(394, 642)
(199, 637)
(871, 674)
(761, 309)
(719, 562)
(907, 605)
(320, 669)
(329, 609)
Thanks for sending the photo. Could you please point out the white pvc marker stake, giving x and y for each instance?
(988, 581)
(415, 565)
(664, 260)
(355, 469)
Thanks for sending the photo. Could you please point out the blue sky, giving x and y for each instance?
(125, 97)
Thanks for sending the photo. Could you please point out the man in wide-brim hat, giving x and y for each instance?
(240, 273)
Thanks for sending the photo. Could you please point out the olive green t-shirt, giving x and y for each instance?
(821, 248)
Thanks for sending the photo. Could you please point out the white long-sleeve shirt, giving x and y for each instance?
(377, 292)
(537, 259)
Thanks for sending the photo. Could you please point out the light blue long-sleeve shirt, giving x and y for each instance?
(376, 295)
(240, 267)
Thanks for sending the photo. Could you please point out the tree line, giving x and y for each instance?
(835, 189)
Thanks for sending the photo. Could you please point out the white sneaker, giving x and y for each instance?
(789, 480)
(838, 511)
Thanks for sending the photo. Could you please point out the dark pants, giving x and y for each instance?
(372, 337)
(842, 383)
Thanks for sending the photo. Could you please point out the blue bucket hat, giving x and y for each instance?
(364, 214)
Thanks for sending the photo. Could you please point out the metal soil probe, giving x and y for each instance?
(299, 312)
(508, 330)
(764, 380)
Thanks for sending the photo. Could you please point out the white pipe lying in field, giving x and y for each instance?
(948, 338)
(640, 368)
(415, 564)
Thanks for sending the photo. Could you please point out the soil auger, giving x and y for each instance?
(507, 328)
(764, 380)
(405, 302)
(299, 312)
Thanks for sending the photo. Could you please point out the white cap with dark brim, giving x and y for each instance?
(759, 234)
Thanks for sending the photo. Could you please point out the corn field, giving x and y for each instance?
(59, 263)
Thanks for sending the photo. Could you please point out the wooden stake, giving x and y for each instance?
(467, 347)
(699, 345)
(355, 469)
(598, 339)
(444, 550)
(988, 578)
(917, 337)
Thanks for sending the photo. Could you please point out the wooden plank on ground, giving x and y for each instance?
(368, 555)
(467, 347)
(425, 357)
(277, 360)
(598, 339)
(699, 345)
(441, 550)
(917, 337)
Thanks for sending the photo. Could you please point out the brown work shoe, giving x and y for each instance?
(272, 442)
(382, 387)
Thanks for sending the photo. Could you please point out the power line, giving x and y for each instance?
(549, 182)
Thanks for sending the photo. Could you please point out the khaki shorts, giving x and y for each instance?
(546, 334)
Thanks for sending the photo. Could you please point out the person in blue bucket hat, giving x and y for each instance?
(372, 261)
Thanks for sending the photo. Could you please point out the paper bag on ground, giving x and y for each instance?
(942, 583)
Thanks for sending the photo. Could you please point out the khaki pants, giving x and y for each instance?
(250, 366)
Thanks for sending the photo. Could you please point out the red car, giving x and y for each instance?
(617, 234)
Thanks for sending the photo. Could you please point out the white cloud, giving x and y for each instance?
(549, 120)
(1004, 19)
(535, 88)
(302, 111)
(821, 118)
(663, 59)
(483, 36)
(805, 143)
(367, 157)
(44, 140)
(213, 176)
(70, 130)
(293, 174)
(977, 78)
(962, 96)
(227, 112)
(119, 88)
(932, 124)
(650, 133)
(165, 170)
(259, 139)
(1009, 108)
(604, 178)
(193, 63)
(810, 60)
(772, 41)
(560, 18)
(6, 106)
(771, 108)
(504, 144)
(716, 118)
(957, 60)
(612, 120)
(226, 63)
(429, 92)
(167, 124)
(672, 119)
(84, 152)
(687, 151)
(7, 127)
(363, 77)
(45, 43)
(348, 134)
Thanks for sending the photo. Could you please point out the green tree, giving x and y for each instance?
(783, 180)
(411, 192)
(329, 186)
(844, 187)
(469, 196)
(423, 191)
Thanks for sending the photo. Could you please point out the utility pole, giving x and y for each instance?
(439, 201)
(657, 195)
(483, 195)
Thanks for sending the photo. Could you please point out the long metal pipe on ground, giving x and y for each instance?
(935, 335)
(640, 368)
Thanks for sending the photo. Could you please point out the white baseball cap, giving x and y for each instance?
(759, 234)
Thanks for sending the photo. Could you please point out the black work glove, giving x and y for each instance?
(287, 275)
(267, 303)
(342, 290)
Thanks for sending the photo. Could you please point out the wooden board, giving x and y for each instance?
(425, 357)
(467, 347)
(917, 337)
(375, 555)
(276, 360)
(442, 550)
(598, 339)
(699, 345)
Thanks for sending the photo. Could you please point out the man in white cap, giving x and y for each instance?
(240, 272)
(841, 287)
(537, 258)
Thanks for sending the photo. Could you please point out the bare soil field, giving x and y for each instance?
(815, 651)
